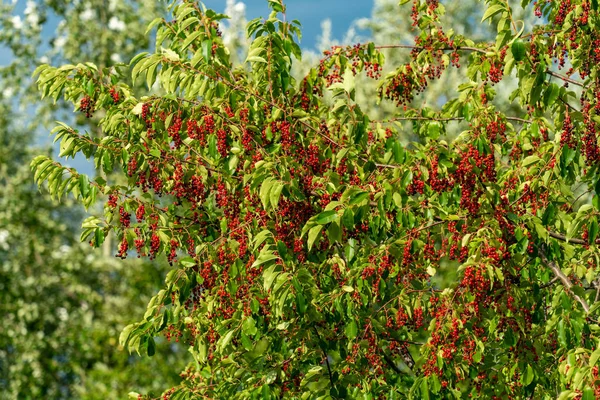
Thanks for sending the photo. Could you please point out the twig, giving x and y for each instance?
(411, 47)
(420, 118)
(326, 360)
(391, 363)
(569, 240)
(552, 282)
(563, 278)
(566, 79)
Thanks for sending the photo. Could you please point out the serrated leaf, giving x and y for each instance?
(256, 59)
(528, 376)
(530, 160)
(358, 198)
(225, 340)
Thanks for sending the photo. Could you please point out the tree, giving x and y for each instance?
(307, 243)
(63, 306)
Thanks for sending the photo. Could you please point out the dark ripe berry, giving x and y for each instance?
(123, 247)
(145, 111)
(222, 146)
(566, 136)
(86, 106)
(132, 166)
(154, 245)
(124, 217)
(173, 251)
(112, 201)
(173, 131)
(139, 213)
(563, 10)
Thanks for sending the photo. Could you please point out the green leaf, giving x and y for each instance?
(528, 375)
(313, 234)
(549, 214)
(275, 193)
(530, 160)
(518, 50)
(596, 202)
(588, 394)
(326, 217)
(264, 257)
(224, 341)
(249, 326)
(191, 37)
(351, 330)
(261, 237)
(151, 346)
(348, 218)
(84, 185)
(206, 49)
(334, 232)
(349, 81)
(562, 335)
(150, 78)
(265, 190)
(493, 10)
(359, 198)
(269, 276)
(551, 94)
(425, 389)
(594, 357)
(301, 303)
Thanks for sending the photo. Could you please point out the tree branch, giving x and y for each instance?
(566, 79)
(411, 47)
(420, 118)
(552, 282)
(326, 360)
(569, 240)
(391, 363)
(563, 278)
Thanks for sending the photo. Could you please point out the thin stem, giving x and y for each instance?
(407, 46)
(563, 278)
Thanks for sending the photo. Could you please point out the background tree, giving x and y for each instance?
(306, 239)
(63, 306)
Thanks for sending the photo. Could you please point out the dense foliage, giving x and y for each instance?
(316, 253)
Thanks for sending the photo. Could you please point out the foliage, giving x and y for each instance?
(63, 306)
(309, 245)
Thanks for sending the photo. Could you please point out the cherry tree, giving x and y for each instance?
(317, 252)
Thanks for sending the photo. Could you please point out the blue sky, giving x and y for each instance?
(310, 13)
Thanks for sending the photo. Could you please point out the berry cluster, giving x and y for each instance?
(86, 106)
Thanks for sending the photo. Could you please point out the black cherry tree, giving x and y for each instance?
(319, 253)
